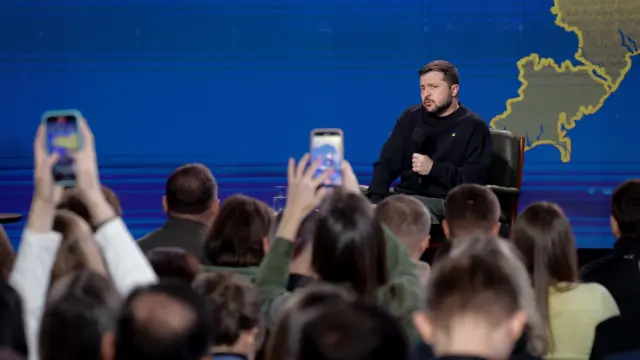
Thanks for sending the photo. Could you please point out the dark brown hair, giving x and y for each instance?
(349, 245)
(625, 208)
(174, 263)
(191, 189)
(449, 72)
(279, 346)
(72, 201)
(543, 235)
(407, 218)
(236, 237)
(235, 302)
(78, 251)
(304, 237)
(470, 208)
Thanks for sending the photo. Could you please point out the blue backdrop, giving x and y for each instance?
(239, 84)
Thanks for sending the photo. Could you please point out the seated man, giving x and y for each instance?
(434, 146)
(410, 222)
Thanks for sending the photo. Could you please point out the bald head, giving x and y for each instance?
(164, 321)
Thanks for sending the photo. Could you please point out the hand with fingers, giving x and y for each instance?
(88, 180)
(47, 194)
(304, 194)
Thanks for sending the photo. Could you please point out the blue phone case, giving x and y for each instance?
(78, 116)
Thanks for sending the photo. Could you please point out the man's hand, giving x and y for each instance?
(421, 164)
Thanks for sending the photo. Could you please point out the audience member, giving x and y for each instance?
(474, 301)
(8, 354)
(191, 204)
(469, 209)
(72, 201)
(174, 263)
(300, 271)
(239, 236)
(350, 331)
(166, 321)
(79, 314)
(619, 271)
(571, 311)
(410, 221)
(46, 230)
(235, 304)
(12, 327)
(349, 247)
(280, 346)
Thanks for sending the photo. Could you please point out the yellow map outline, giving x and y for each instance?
(564, 124)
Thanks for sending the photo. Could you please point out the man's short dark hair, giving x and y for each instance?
(165, 321)
(625, 207)
(357, 331)
(191, 189)
(449, 72)
(471, 207)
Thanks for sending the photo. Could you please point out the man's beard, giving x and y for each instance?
(442, 108)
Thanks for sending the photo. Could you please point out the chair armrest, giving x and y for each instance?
(504, 191)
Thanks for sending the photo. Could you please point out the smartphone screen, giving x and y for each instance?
(63, 138)
(328, 145)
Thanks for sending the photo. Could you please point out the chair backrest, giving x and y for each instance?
(508, 155)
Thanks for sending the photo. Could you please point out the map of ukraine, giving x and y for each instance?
(553, 97)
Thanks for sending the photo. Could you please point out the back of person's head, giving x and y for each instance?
(72, 201)
(471, 208)
(350, 331)
(239, 233)
(174, 263)
(80, 310)
(78, 250)
(625, 210)
(408, 219)
(165, 321)
(304, 237)
(191, 190)
(280, 346)
(349, 244)
(542, 233)
(7, 255)
(236, 306)
(12, 329)
(478, 291)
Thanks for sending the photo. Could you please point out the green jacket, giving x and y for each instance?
(251, 272)
(401, 296)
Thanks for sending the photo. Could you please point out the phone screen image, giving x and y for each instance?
(328, 147)
(63, 138)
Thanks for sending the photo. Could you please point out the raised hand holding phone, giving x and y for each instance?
(62, 138)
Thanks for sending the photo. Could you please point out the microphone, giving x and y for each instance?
(418, 137)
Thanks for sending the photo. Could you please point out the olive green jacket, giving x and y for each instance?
(401, 296)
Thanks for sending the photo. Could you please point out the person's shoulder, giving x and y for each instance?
(592, 270)
(473, 119)
(411, 112)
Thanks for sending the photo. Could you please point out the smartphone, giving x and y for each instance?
(63, 137)
(328, 145)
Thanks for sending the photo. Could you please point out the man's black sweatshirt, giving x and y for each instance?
(459, 145)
